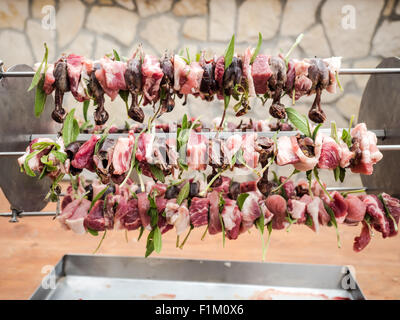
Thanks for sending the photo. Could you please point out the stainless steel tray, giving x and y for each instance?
(115, 277)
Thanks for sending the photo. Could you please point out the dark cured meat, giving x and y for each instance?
(214, 225)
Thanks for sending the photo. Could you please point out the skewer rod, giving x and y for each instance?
(29, 214)
(380, 133)
(354, 71)
(53, 213)
(359, 71)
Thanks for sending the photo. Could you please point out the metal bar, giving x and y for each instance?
(380, 133)
(17, 74)
(340, 189)
(389, 147)
(345, 71)
(11, 153)
(359, 71)
(29, 214)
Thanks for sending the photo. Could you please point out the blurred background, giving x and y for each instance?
(361, 31)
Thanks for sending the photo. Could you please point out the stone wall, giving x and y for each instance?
(95, 27)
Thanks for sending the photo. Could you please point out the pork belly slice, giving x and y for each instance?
(393, 206)
(268, 215)
(75, 222)
(247, 71)
(68, 211)
(230, 147)
(83, 159)
(74, 69)
(333, 64)
(152, 75)
(181, 71)
(35, 163)
(232, 218)
(286, 154)
(111, 76)
(101, 78)
(277, 205)
(297, 209)
(97, 187)
(215, 152)
(197, 147)
(376, 210)
(193, 79)
(73, 214)
(306, 163)
(345, 154)
(199, 211)
(363, 239)
(365, 142)
(177, 215)
(49, 79)
(95, 219)
(250, 211)
(172, 152)
(122, 153)
(82, 90)
(330, 154)
(214, 226)
(302, 84)
(127, 215)
(356, 209)
(144, 147)
(318, 214)
(248, 146)
(261, 72)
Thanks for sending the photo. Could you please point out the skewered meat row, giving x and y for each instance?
(127, 208)
(112, 161)
(161, 80)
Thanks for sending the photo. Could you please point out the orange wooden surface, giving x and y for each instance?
(34, 242)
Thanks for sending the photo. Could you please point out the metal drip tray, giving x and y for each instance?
(111, 277)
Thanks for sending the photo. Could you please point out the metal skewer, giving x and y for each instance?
(347, 71)
(53, 213)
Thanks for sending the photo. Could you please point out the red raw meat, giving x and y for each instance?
(363, 239)
(277, 205)
(84, 157)
(95, 219)
(356, 209)
(261, 72)
(330, 154)
(199, 211)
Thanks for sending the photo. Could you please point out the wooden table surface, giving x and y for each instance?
(35, 242)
